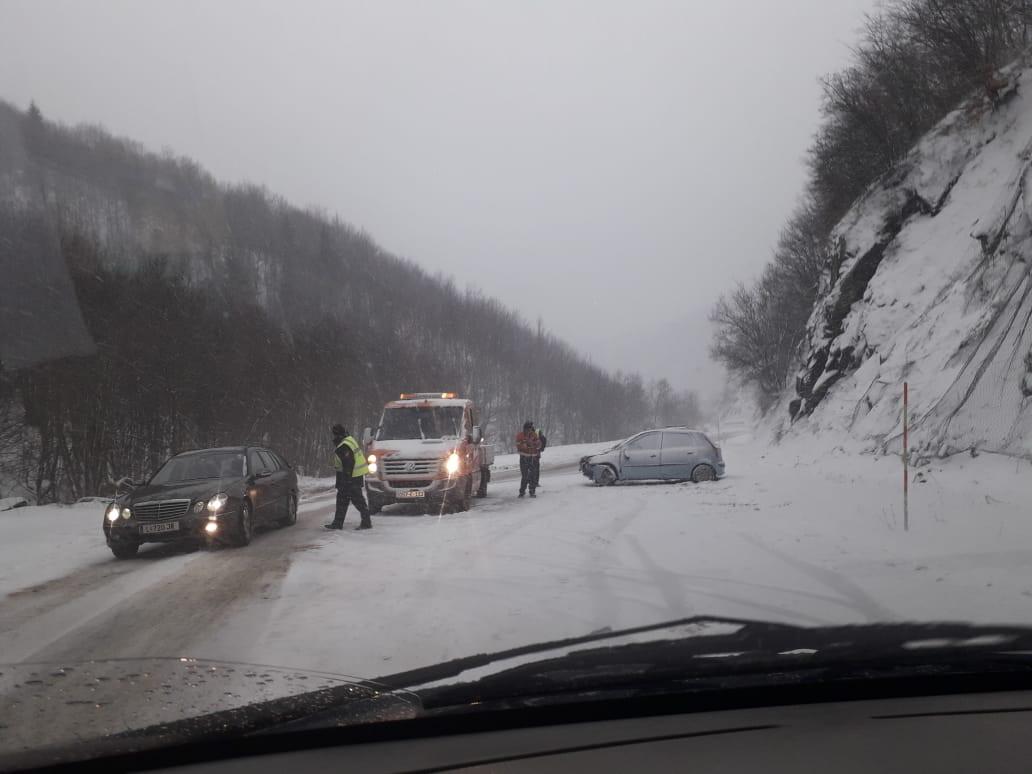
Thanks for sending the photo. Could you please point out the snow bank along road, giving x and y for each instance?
(785, 537)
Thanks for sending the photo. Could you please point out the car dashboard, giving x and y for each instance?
(955, 733)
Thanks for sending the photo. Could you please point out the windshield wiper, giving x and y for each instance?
(455, 667)
(710, 658)
(751, 652)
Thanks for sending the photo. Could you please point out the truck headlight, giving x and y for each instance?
(113, 512)
(217, 503)
(452, 464)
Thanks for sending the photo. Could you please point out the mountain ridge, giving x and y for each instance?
(932, 286)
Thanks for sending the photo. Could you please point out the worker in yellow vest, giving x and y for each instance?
(350, 464)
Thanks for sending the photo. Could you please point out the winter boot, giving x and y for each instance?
(366, 522)
(333, 525)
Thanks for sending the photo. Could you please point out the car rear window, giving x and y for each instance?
(700, 441)
(677, 440)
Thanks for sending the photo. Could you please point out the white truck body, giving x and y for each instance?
(428, 448)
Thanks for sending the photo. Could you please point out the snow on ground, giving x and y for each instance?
(786, 536)
(794, 533)
(38, 543)
(313, 487)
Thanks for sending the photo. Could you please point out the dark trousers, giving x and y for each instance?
(350, 492)
(530, 472)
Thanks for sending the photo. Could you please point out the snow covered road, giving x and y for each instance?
(783, 537)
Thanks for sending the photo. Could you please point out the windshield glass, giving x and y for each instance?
(422, 422)
(201, 465)
(459, 327)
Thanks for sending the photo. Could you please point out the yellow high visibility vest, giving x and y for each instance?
(361, 466)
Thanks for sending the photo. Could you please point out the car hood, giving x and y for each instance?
(102, 707)
(194, 490)
(416, 449)
(589, 457)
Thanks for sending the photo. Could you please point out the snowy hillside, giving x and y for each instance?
(933, 287)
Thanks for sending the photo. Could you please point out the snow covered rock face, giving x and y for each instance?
(933, 287)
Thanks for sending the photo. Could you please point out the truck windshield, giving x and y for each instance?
(406, 423)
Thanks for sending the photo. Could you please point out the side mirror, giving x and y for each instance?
(478, 434)
(367, 435)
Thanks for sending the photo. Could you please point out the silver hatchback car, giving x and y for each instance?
(670, 453)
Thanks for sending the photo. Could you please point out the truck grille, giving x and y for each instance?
(414, 468)
(161, 509)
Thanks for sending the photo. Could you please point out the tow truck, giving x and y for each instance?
(428, 449)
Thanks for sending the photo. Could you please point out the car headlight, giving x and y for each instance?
(372, 467)
(218, 502)
(127, 513)
(372, 458)
(114, 512)
(452, 464)
(198, 506)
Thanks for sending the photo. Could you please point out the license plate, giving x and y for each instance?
(413, 494)
(151, 529)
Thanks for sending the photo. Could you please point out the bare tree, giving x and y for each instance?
(916, 60)
(279, 321)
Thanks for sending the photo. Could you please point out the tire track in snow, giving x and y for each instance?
(851, 596)
(147, 608)
(33, 601)
(607, 604)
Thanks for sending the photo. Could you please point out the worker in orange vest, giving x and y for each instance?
(528, 444)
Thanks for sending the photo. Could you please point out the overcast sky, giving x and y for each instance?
(609, 167)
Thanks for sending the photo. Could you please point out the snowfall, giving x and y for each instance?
(808, 526)
(796, 532)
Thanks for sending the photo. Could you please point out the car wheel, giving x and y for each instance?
(245, 525)
(605, 476)
(291, 517)
(704, 473)
(125, 549)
